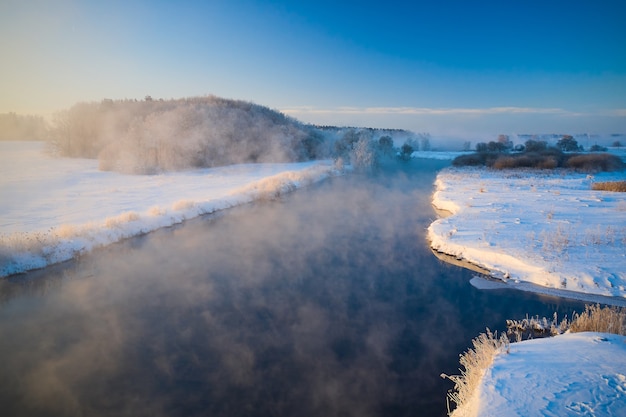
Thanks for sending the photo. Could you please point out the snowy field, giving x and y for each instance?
(575, 374)
(543, 231)
(53, 209)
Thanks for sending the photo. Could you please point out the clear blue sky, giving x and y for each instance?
(454, 67)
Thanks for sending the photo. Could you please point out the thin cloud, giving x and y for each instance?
(427, 110)
(617, 112)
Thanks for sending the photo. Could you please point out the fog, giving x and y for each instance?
(326, 302)
(152, 136)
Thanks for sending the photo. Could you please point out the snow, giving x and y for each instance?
(540, 229)
(545, 232)
(568, 375)
(53, 209)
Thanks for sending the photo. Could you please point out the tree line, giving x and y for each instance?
(150, 136)
(22, 127)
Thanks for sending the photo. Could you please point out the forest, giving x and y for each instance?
(153, 135)
(22, 127)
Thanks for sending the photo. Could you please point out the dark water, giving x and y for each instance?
(326, 303)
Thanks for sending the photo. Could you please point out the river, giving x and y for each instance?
(327, 302)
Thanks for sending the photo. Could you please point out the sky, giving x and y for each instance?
(457, 68)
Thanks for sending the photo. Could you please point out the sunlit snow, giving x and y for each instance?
(544, 231)
(52, 209)
(575, 374)
(548, 228)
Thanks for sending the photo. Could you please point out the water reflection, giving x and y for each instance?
(327, 303)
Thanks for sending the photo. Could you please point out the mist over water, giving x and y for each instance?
(325, 303)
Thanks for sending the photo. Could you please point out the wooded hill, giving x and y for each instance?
(150, 136)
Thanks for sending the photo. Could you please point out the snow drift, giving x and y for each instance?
(53, 209)
(548, 228)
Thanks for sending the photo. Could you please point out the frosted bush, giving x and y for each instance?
(474, 362)
(111, 222)
(183, 205)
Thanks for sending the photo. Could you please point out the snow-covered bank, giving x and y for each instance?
(53, 209)
(571, 374)
(544, 227)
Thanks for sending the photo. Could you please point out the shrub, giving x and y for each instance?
(618, 186)
(476, 159)
(473, 159)
(506, 162)
(548, 159)
(545, 158)
(597, 148)
(555, 154)
(534, 327)
(548, 162)
(595, 162)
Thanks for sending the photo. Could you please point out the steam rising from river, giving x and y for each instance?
(327, 303)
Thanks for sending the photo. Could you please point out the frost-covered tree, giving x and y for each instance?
(156, 135)
(568, 144)
(364, 156)
(481, 147)
(505, 142)
(22, 127)
(406, 150)
(385, 144)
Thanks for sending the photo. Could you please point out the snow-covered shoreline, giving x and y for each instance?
(570, 374)
(541, 227)
(54, 209)
(545, 232)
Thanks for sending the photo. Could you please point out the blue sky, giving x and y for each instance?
(449, 67)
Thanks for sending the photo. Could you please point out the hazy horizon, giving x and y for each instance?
(456, 68)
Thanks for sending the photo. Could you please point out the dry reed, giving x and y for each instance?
(618, 186)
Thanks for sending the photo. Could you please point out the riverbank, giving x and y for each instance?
(570, 374)
(54, 209)
(542, 232)
(546, 228)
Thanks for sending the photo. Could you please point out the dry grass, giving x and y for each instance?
(529, 160)
(474, 362)
(618, 186)
(532, 327)
(122, 219)
(487, 345)
(550, 158)
(595, 162)
(602, 320)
